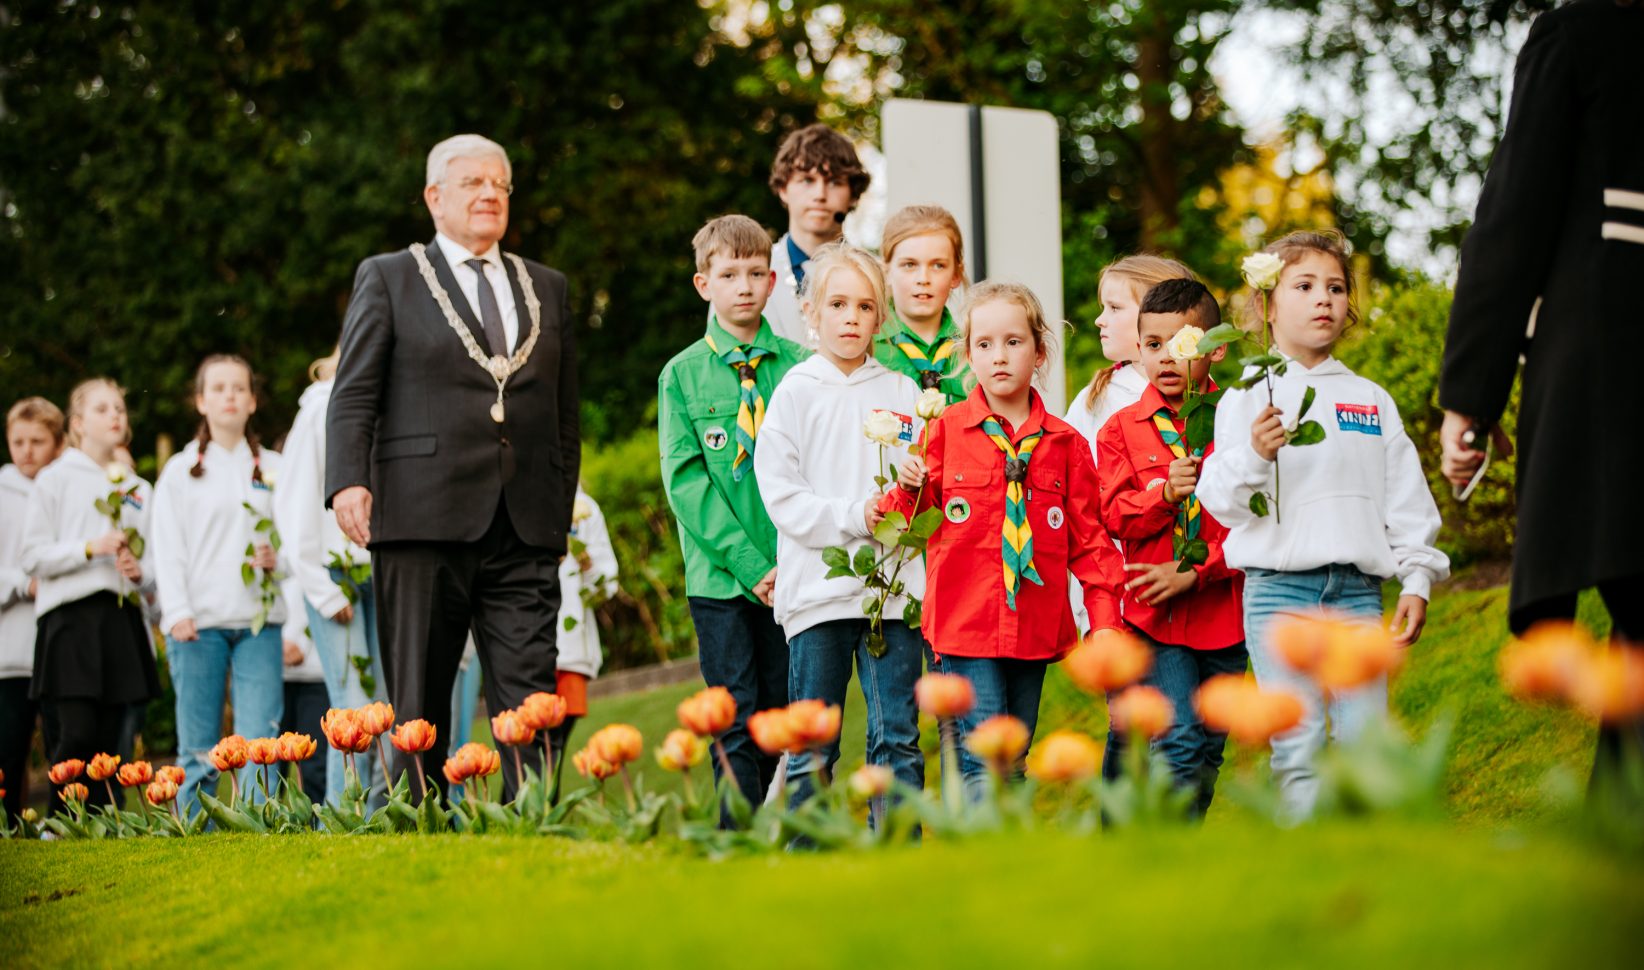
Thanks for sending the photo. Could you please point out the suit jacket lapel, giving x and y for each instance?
(448, 279)
(521, 314)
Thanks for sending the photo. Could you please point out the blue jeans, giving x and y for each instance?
(1269, 595)
(819, 667)
(1003, 686)
(198, 670)
(741, 649)
(1193, 753)
(336, 643)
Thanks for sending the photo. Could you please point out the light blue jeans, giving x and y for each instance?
(199, 668)
(336, 643)
(1270, 595)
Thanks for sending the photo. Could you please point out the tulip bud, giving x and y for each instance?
(1107, 660)
(999, 741)
(681, 751)
(1611, 686)
(1547, 662)
(102, 766)
(1064, 756)
(871, 781)
(709, 713)
(64, 772)
(509, 727)
(617, 743)
(74, 793)
(136, 773)
(413, 737)
(161, 791)
(376, 718)
(230, 754)
(296, 747)
(592, 766)
(172, 773)
(773, 731)
(543, 711)
(1142, 709)
(944, 695)
(263, 751)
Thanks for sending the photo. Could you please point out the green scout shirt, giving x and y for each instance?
(957, 378)
(728, 540)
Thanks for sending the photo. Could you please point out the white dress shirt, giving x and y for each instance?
(495, 274)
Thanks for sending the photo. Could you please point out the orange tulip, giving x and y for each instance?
(1610, 687)
(871, 781)
(263, 751)
(472, 760)
(343, 730)
(1143, 709)
(64, 772)
(160, 791)
(773, 731)
(592, 766)
(102, 766)
(136, 773)
(1337, 654)
(74, 793)
(708, 713)
(376, 718)
(230, 753)
(1548, 661)
(296, 747)
(944, 695)
(172, 773)
(1301, 641)
(999, 741)
(1064, 756)
(1107, 660)
(509, 727)
(681, 751)
(617, 743)
(414, 737)
(543, 711)
(1234, 704)
(814, 723)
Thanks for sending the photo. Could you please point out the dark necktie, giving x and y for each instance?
(490, 313)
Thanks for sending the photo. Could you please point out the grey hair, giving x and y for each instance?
(464, 146)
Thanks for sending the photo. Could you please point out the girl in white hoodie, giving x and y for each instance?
(816, 469)
(1354, 509)
(92, 656)
(206, 547)
(34, 436)
(344, 631)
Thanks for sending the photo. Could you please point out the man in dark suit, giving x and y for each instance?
(1557, 249)
(452, 445)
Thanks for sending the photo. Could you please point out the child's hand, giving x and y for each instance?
(1184, 477)
(1160, 581)
(264, 557)
(765, 589)
(912, 473)
(184, 631)
(1408, 619)
(345, 615)
(108, 543)
(870, 512)
(293, 654)
(128, 565)
(1267, 433)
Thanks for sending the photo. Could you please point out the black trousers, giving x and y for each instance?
(305, 705)
(430, 595)
(17, 716)
(1624, 598)
(78, 727)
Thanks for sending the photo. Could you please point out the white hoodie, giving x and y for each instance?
(816, 471)
(16, 605)
(201, 530)
(1357, 497)
(578, 633)
(1122, 391)
(63, 517)
(309, 533)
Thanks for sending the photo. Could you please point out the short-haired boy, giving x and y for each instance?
(1148, 471)
(34, 439)
(819, 179)
(711, 401)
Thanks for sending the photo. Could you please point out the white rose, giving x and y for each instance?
(931, 403)
(1261, 270)
(581, 509)
(883, 427)
(1185, 345)
(116, 472)
(268, 478)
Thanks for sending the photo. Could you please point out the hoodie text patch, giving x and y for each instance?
(1363, 418)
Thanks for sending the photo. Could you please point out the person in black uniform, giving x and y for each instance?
(1552, 271)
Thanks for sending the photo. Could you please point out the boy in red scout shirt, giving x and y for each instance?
(1149, 468)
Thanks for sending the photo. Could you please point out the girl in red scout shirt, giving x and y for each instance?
(1018, 490)
(1191, 616)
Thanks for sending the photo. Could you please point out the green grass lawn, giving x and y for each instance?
(1505, 883)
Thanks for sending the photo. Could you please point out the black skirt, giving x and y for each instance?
(95, 648)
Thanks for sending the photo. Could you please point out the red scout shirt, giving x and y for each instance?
(1133, 463)
(965, 609)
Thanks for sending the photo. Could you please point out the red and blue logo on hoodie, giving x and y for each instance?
(1363, 418)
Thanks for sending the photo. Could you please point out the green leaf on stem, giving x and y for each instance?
(1307, 402)
(864, 560)
(1195, 552)
(913, 614)
(1219, 336)
(1258, 504)
(889, 530)
(1261, 360)
(1306, 433)
(837, 557)
(570, 623)
(247, 573)
(1201, 428)
(926, 523)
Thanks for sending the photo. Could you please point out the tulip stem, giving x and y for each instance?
(547, 758)
(950, 764)
(233, 789)
(628, 788)
(519, 770)
(422, 779)
(382, 757)
(725, 765)
(112, 803)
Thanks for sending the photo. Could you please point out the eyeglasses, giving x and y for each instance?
(471, 184)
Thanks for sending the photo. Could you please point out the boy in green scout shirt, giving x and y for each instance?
(711, 400)
(924, 263)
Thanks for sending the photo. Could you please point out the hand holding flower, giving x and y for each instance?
(1267, 434)
(912, 473)
(1183, 478)
(264, 558)
(108, 544)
